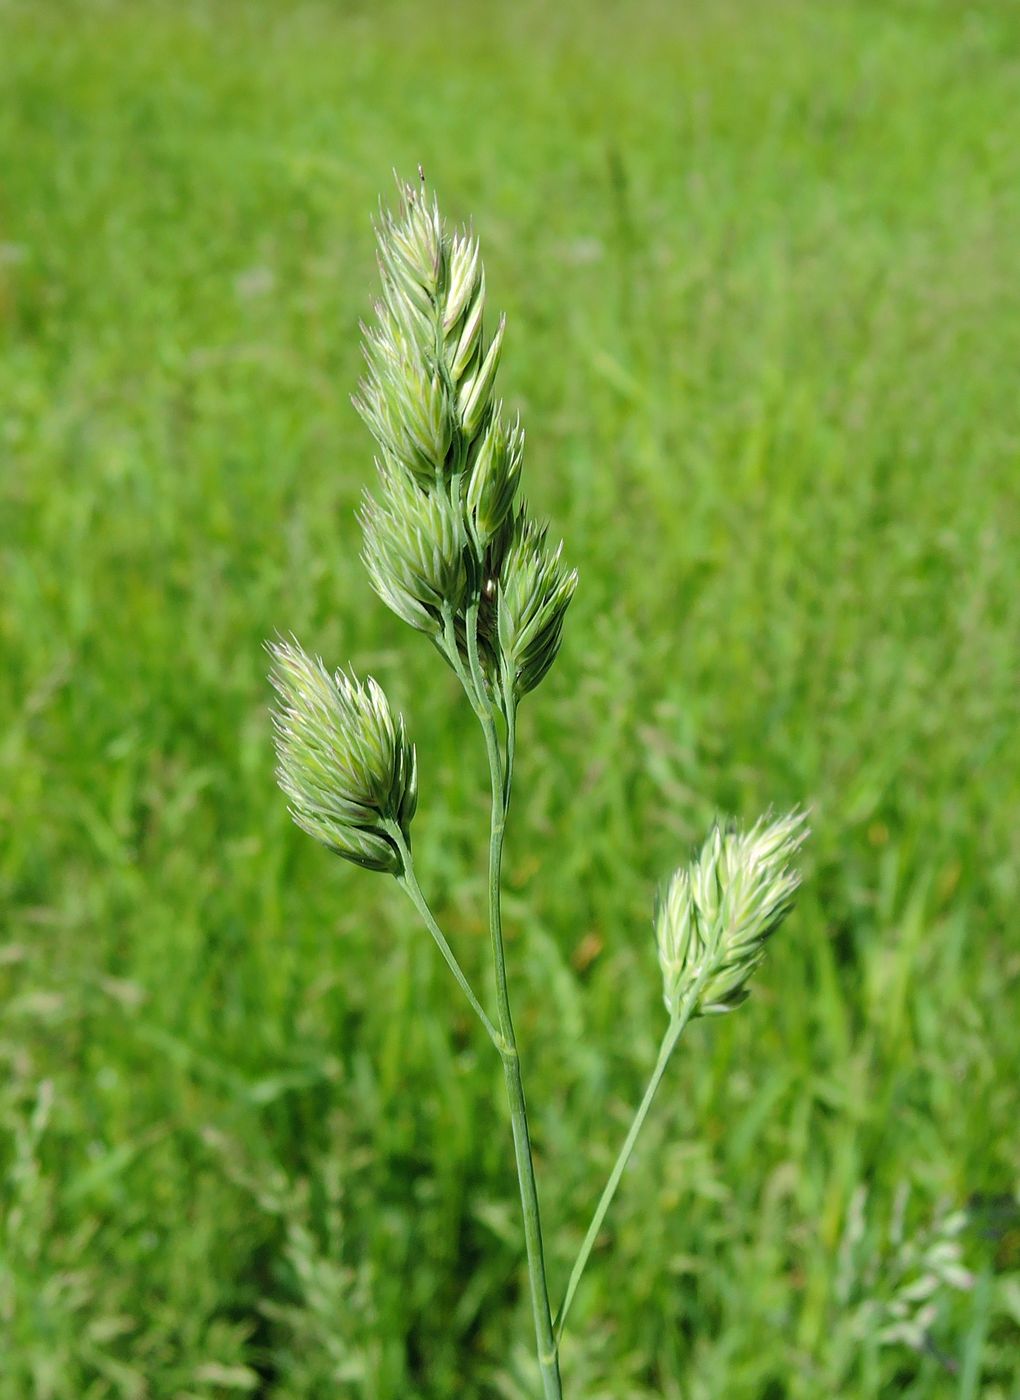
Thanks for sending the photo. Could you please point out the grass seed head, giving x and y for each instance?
(445, 529)
(344, 760)
(715, 914)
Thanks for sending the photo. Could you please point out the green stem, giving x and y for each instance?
(452, 652)
(408, 882)
(548, 1361)
(482, 703)
(510, 711)
(666, 1049)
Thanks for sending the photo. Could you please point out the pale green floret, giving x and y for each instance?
(475, 392)
(495, 476)
(344, 760)
(463, 336)
(712, 920)
(466, 291)
(535, 589)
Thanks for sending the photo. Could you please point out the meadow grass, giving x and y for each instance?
(762, 270)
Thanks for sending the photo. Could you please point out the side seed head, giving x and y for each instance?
(344, 760)
(715, 914)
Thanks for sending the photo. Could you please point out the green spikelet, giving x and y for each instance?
(494, 478)
(534, 591)
(416, 551)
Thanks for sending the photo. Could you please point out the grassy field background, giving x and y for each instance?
(761, 263)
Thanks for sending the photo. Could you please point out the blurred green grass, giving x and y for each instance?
(762, 269)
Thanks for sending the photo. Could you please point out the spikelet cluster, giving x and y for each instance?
(343, 759)
(713, 917)
(446, 528)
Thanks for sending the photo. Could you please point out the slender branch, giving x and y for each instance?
(673, 1032)
(408, 882)
(669, 1041)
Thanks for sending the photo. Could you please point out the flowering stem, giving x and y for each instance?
(500, 776)
(547, 1359)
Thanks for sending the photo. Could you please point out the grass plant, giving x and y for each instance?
(761, 281)
(453, 553)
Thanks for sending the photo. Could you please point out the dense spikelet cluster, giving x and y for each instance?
(446, 532)
(714, 916)
(344, 759)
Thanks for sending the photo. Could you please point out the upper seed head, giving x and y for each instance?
(442, 535)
